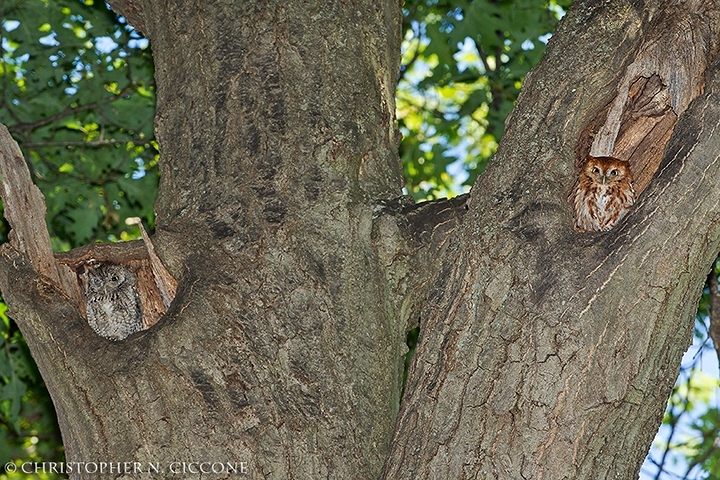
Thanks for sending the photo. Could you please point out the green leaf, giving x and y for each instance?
(6, 369)
(22, 363)
(84, 222)
(12, 394)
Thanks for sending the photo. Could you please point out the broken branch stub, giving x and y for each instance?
(24, 209)
(166, 283)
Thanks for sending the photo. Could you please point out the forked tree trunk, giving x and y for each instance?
(544, 353)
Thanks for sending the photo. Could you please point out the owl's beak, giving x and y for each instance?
(603, 179)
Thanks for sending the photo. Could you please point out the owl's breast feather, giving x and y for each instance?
(602, 197)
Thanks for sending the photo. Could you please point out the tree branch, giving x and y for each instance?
(24, 209)
(542, 341)
(97, 143)
(23, 127)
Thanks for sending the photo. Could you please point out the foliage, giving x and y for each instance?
(463, 63)
(28, 428)
(78, 96)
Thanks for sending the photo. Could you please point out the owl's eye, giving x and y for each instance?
(595, 170)
(114, 278)
(613, 172)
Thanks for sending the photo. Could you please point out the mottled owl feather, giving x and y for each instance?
(603, 195)
(113, 304)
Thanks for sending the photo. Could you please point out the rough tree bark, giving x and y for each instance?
(548, 353)
(544, 353)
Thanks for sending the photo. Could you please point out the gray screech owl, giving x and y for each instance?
(113, 304)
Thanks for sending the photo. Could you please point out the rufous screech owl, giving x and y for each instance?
(603, 195)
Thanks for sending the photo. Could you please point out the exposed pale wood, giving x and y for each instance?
(166, 283)
(665, 75)
(647, 122)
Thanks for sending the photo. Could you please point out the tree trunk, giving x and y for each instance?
(284, 346)
(544, 353)
(551, 353)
